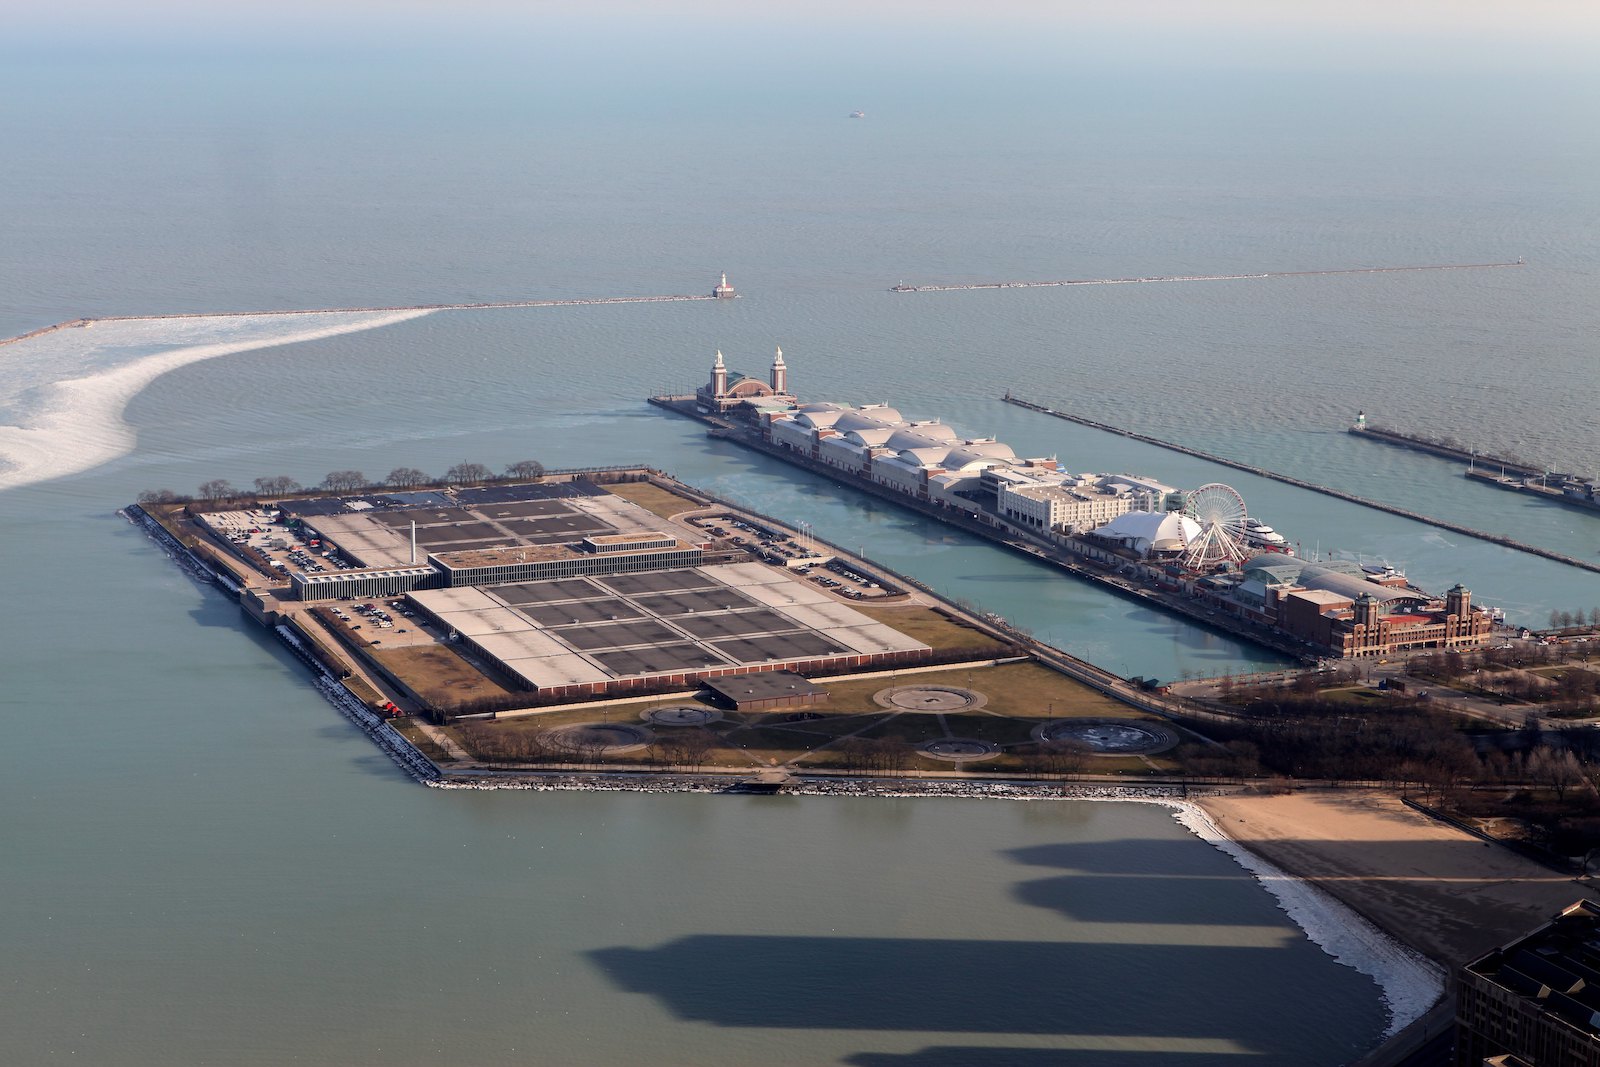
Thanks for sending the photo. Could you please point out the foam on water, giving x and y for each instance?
(64, 392)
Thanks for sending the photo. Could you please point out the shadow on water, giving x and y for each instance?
(979, 1056)
(1149, 992)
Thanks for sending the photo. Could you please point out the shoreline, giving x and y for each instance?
(1409, 983)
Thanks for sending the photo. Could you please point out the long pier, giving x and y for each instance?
(1301, 483)
(904, 288)
(1015, 541)
(481, 306)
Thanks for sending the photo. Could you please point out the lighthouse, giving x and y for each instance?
(722, 290)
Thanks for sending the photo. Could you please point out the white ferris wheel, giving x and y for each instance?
(1220, 513)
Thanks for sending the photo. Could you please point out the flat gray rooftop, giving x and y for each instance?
(615, 627)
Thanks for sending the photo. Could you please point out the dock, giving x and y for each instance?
(1301, 483)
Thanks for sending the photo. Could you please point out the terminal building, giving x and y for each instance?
(1346, 611)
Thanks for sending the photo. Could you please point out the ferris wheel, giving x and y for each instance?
(1220, 513)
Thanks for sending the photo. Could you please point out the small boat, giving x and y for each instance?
(858, 114)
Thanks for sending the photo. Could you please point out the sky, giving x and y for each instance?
(1530, 19)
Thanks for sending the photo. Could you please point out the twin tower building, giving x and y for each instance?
(727, 390)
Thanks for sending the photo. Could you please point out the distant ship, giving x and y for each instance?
(858, 114)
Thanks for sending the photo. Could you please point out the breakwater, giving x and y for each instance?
(1301, 483)
(1256, 276)
(85, 323)
(1413, 443)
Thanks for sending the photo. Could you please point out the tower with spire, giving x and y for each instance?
(719, 377)
(727, 390)
(780, 373)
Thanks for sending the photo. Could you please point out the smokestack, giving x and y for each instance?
(413, 541)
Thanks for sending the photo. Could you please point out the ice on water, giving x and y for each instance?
(62, 394)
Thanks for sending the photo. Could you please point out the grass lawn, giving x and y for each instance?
(653, 498)
(437, 674)
(409, 730)
(931, 627)
(1020, 696)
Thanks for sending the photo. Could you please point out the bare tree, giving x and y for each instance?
(525, 468)
(158, 496)
(1557, 769)
(344, 481)
(1065, 757)
(406, 478)
(463, 473)
(276, 485)
(697, 745)
(217, 489)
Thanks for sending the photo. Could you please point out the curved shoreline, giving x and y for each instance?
(1408, 982)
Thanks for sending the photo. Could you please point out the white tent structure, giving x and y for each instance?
(1151, 532)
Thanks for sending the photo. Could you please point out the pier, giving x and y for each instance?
(904, 288)
(1301, 483)
(1015, 541)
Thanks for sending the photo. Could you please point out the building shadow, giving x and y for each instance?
(1146, 991)
(988, 1056)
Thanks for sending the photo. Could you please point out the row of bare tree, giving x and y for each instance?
(347, 481)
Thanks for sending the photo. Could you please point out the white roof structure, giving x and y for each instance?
(1149, 531)
(708, 618)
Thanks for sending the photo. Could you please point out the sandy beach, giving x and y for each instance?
(1445, 893)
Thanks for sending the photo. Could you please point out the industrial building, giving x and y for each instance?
(633, 631)
(399, 542)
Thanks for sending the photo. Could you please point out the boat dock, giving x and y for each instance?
(1301, 483)
(1536, 488)
(904, 288)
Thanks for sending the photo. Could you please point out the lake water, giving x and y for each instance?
(207, 865)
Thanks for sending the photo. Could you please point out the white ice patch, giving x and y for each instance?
(62, 394)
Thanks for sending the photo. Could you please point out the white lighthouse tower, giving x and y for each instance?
(780, 373)
(722, 290)
(719, 376)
